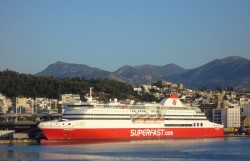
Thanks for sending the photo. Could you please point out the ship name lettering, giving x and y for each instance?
(167, 133)
(147, 132)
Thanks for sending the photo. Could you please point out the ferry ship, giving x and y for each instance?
(168, 119)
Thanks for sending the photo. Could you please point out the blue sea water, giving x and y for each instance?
(221, 149)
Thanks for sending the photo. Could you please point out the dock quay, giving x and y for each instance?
(22, 128)
(19, 141)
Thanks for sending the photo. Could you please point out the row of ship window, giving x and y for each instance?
(166, 125)
(100, 119)
(184, 125)
(134, 111)
(130, 119)
(63, 124)
(185, 119)
(130, 115)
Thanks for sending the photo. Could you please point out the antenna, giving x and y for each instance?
(90, 94)
(90, 91)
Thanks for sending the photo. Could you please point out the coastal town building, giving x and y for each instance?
(165, 83)
(245, 122)
(243, 100)
(45, 105)
(171, 85)
(23, 105)
(217, 116)
(69, 98)
(138, 90)
(146, 88)
(5, 104)
(229, 117)
(219, 98)
(246, 110)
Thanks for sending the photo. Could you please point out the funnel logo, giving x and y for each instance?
(174, 102)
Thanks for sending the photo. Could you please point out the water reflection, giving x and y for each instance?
(170, 149)
(148, 141)
(13, 154)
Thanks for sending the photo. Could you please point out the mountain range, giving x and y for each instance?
(233, 71)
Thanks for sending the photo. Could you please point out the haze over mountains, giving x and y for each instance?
(231, 71)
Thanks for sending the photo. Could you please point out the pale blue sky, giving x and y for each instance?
(109, 34)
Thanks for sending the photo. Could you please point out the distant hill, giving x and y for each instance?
(62, 69)
(147, 73)
(132, 75)
(230, 71)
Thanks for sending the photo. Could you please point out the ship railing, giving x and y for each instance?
(180, 108)
(147, 116)
(113, 106)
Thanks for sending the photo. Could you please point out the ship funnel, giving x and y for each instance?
(172, 101)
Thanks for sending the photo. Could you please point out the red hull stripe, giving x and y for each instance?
(130, 133)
